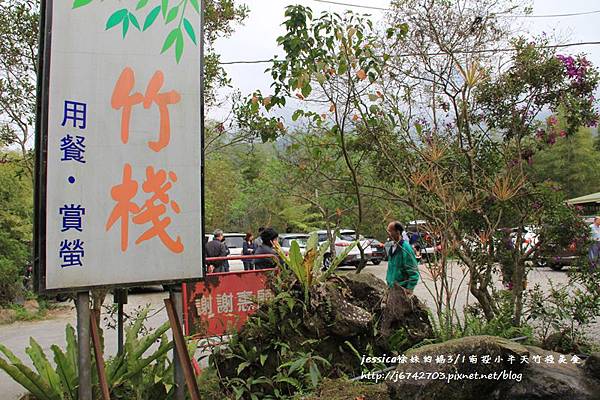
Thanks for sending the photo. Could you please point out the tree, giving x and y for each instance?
(572, 162)
(19, 26)
(19, 21)
(16, 195)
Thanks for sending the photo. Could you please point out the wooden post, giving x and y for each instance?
(95, 316)
(182, 351)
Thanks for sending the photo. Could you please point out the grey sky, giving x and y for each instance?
(256, 39)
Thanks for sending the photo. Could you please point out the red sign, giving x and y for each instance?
(222, 302)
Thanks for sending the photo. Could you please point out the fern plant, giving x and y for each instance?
(130, 375)
(307, 267)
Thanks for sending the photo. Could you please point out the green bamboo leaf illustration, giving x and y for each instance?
(151, 17)
(172, 14)
(195, 5)
(134, 21)
(81, 3)
(179, 46)
(141, 4)
(125, 26)
(189, 29)
(170, 39)
(164, 7)
(116, 18)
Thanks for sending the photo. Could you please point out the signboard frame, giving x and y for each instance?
(41, 163)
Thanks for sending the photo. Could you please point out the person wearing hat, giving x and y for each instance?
(269, 239)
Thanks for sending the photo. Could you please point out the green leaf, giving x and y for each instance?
(141, 4)
(134, 21)
(164, 7)
(190, 30)
(81, 3)
(242, 366)
(172, 14)
(116, 18)
(373, 97)
(297, 114)
(151, 17)
(23, 379)
(125, 27)
(66, 372)
(263, 359)
(195, 5)
(315, 374)
(306, 90)
(71, 346)
(170, 40)
(179, 46)
(42, 365)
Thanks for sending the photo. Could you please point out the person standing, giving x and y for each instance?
(270, 239)
(402, 276)
(402, 268)
(258, 240)
(218, 248)
(594, 252)
(248, 250)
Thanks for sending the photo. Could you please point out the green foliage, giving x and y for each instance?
(563, 314)
(307, 267)
(131, 375)
(16, 219)
(571, 162)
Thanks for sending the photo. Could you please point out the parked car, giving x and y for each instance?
(286, 239)
(234, 242)
(343, 240)
(377, 251)
(427, 245)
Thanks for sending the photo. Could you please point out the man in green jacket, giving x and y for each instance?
(403, 267)
(402, 277)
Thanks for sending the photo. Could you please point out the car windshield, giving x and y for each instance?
(322, 237)
(287, 242)
(234, 241)
(347, 236)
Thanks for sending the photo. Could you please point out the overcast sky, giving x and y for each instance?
(256, 38)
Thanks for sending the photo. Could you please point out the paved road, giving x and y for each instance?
(16, 336)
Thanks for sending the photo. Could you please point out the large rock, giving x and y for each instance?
(407, 314)
(512, 380)
(449, 389)
(367, 289)
(550, 381)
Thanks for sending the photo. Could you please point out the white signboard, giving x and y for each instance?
(123, 202)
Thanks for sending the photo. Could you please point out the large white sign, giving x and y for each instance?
(123, 201)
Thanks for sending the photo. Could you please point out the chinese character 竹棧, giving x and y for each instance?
(72, 150)
(122, 99)
(72, 216)
(76, 112)
(123, 193)
(156, 184)
(71, 253)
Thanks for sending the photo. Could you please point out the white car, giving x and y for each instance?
(345, 238)
(286, 239)
(234, 242)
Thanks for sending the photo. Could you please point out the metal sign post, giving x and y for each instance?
(84, 360)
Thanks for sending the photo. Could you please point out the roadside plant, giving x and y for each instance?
(130, 375)
(307, 268)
